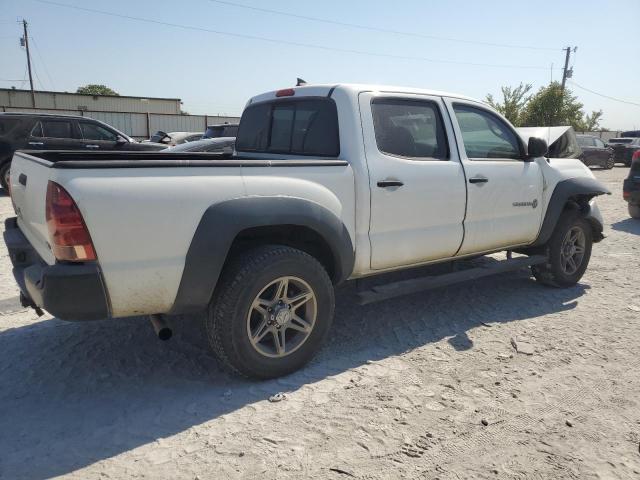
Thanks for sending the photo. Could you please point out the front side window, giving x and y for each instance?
(306, 126)
(91, 131)
(485, 135)
(57, 129)
(409, 128)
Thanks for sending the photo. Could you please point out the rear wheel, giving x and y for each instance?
(5, 170)
(634, 211)
(568, 250)
(271, 312)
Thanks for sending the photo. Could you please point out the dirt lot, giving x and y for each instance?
(427, 386)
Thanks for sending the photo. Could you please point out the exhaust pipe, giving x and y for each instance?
(160, 326)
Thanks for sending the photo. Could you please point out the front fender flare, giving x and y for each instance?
(579, 190)
(220, 225)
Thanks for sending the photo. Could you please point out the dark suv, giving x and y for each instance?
(624, 148)
(39, 131)
(631, 187)
(595, 152)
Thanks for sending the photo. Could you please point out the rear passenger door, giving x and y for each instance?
(504, 189)
(416, 181)
(54, 134)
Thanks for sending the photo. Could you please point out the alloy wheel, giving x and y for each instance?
(282, 317)
(572, 250)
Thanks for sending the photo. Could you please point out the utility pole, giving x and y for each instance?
(566, 72)
(25, 40)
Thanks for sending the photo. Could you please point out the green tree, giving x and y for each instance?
(591, 122)
(94, 89)
(550, 108)
(513, 103)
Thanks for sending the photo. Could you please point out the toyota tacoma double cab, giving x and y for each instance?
(327, 184)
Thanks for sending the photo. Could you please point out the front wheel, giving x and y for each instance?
(568, 250)
(610, 163)
(271, 312)
(634, 211)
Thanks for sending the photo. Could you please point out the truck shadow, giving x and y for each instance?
(628, 225)
(74, 394)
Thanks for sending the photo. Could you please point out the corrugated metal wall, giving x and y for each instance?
(72, 101)
(135, 124)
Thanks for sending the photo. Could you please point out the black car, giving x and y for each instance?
(624, 148)
(631, 187)
(221, 130)
(40, 131)
(595, 152)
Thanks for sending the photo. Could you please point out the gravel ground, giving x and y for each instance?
(428, 386)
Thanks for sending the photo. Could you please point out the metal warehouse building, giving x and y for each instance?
(138, 117)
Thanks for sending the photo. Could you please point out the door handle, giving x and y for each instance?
(22, 179)
(478, 180)
(36, 144)
(390, 183)
(92, 146)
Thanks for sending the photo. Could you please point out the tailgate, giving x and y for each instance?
(29, 179)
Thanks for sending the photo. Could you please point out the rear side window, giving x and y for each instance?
(57, 129)
(586, 141)
(306, 126)
(409, 128)
(485, 135)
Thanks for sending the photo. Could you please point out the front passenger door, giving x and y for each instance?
(504, 191)
(97, 137)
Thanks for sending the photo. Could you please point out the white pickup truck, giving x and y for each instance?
(328, 183)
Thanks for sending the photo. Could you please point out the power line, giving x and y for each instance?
(46, 70)
(377, 29)
(285, 42)
(603, 95)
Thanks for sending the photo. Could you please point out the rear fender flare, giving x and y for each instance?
(220, 225)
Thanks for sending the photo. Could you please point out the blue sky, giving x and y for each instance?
(214, 73)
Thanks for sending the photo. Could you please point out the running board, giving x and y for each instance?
(406, 287)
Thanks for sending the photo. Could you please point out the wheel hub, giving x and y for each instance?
(282, 316)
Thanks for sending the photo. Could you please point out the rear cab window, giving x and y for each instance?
(409, 128)
(306, 126)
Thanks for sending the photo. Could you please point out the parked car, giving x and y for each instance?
(221, 130)
(365, 180)
(631, 187)
(562, 140)
(174, 138)
(40, 131)
(595, 152)
(624, 149)
(222, 145)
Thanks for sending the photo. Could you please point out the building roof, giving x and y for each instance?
(88, 94)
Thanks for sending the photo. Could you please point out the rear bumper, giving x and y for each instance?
(68, 291)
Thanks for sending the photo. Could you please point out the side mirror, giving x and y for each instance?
(537, 148)
(121, 140)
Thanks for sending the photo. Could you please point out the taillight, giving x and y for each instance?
(68, 235)
(636, 156)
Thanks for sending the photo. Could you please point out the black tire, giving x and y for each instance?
(610, 163)
(634, 211)
(230, 312)
(4, 170)
(553, 273)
